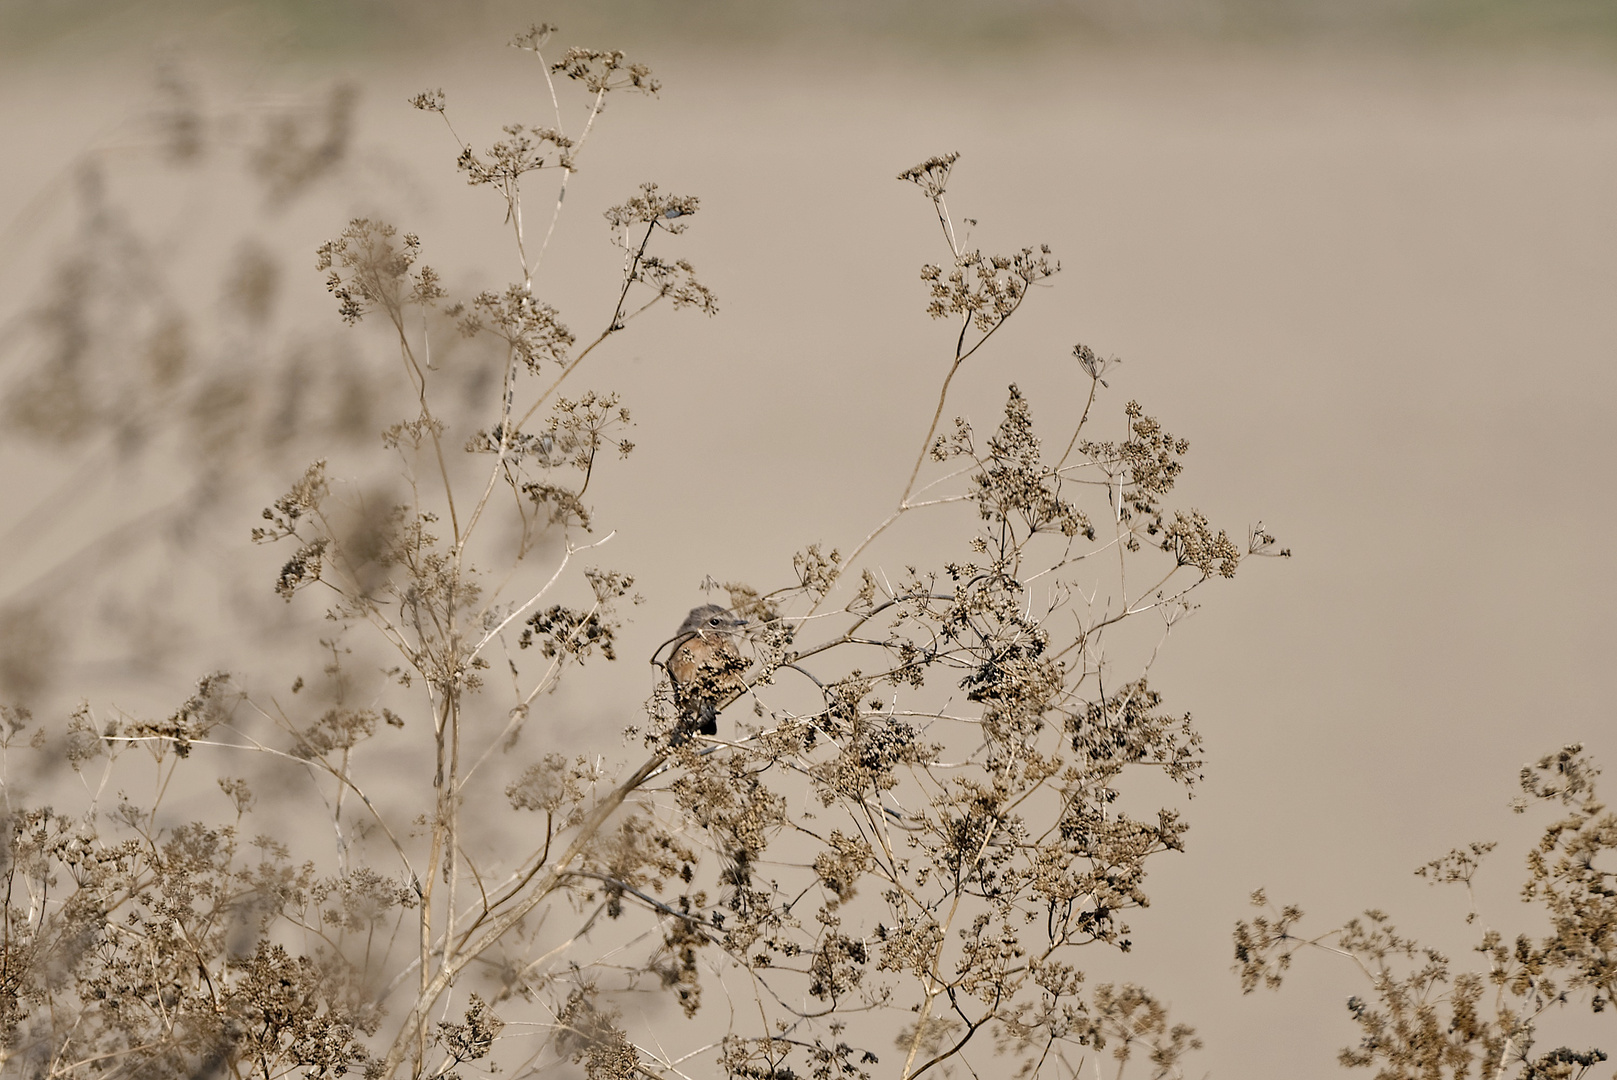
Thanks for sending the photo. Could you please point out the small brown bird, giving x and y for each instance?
(705, 665)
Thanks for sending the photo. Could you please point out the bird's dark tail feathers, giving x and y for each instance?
(701, 720)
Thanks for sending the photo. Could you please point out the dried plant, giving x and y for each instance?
(919, 799)
(1426, 1016)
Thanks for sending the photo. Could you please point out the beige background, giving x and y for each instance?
(1375, 284)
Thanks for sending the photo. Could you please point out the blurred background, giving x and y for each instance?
(1363, 255)
(912, 29)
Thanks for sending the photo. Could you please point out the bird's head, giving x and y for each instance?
(711, 619)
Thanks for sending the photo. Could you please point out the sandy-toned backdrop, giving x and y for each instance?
(1376, 287)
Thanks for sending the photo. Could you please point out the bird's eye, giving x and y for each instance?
(714, 621)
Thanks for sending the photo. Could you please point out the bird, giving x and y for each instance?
(705, 666)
